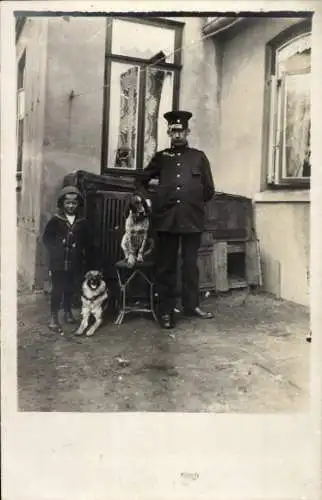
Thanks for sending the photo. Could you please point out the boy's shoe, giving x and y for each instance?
(54, 324)
(167, 321)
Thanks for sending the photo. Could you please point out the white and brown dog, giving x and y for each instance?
(94, 298)
(136, 243)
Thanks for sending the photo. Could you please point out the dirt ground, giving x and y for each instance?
(252, 357)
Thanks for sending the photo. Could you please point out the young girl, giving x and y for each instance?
(68, 242)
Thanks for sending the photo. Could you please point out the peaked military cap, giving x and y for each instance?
(178, 120)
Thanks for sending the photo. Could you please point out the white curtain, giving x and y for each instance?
(165, 106)
(297, 123)
(159, 93)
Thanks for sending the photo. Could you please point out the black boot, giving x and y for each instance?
(198, 313)
(54, 324)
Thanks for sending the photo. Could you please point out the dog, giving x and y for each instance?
(136, 243)
(94, 299)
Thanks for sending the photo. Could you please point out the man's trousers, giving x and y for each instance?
(166, 270)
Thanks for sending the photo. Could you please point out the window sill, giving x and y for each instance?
(296, 196)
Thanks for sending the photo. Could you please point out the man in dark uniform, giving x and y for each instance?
(185, 185)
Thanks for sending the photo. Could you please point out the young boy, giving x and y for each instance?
(67, 240)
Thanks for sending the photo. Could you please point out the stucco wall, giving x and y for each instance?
(73, 127)
(282, 228)
(284, 232)
(34, 40)
(199, 90)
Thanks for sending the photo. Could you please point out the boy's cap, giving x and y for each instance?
(69, 190)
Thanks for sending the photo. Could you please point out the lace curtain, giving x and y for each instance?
(294, 68)
(126, 148)
(154, 84)
(297, 124)
(158, 100)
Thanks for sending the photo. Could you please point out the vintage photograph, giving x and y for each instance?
(163, 212)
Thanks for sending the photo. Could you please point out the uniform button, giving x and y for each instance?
(178, 201)
(178, 164)
(178, 188)
(178, 175)
(178, 154)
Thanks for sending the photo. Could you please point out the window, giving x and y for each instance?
(20, 115)
(142, 76)
(289, 84)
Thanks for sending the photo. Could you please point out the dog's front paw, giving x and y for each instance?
(79, 331)
(90, 332)
(140, 257)
(131, 261)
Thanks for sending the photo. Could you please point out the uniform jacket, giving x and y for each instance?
(69, 246)
(185, 185)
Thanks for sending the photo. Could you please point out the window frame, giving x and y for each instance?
(274, 179)
(110, 57)
(20, 22)
(20, 120)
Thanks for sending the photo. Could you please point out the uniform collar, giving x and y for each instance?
(179, 148)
